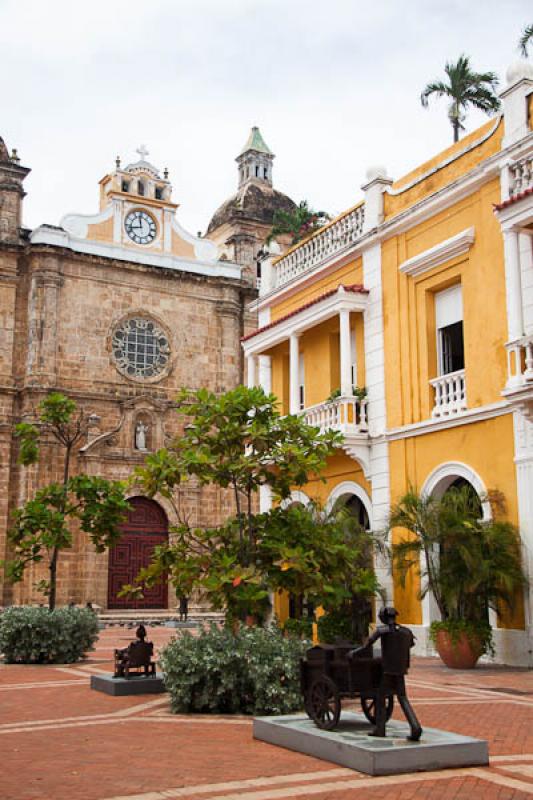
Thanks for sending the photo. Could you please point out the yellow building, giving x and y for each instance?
(423, 294)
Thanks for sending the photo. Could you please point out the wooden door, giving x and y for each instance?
(145, 528)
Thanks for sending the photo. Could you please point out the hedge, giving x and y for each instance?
(31, 635)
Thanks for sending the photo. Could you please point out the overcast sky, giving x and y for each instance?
(334, 86)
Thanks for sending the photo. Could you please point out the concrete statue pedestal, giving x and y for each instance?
(121, 687)
(351, 746)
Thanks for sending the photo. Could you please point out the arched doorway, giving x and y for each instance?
(146, 527)
(355, 507)
(454, 477)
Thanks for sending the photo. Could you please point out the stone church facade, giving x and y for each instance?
(118, 310)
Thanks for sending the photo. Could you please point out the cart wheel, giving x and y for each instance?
(323, 703)
(368, 704)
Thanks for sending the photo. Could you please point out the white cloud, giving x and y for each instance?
(334, 87)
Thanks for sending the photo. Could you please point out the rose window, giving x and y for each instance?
(140, 348)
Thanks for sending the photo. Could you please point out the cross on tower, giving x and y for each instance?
(143, 151)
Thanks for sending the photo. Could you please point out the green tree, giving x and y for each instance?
(42, 528)
(464, 88)
(324, 555)
(298, 223)
(525, 40)
(239, 441)
(469, 565)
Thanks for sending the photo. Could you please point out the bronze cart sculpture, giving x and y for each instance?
(332, 672)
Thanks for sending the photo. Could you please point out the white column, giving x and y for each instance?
(250, 364)
(513, 283)
(265, 373)
(294, 366)
(345, 350)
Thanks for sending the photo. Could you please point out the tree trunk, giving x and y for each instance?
(455, 124)
(53, 580)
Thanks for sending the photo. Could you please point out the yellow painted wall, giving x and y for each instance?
(348, 274)
(101, 231)
(320, 348)
(339, 468)
(486, 447)
(180, 247)
(409, 324)
(444, 175)
(280, 375)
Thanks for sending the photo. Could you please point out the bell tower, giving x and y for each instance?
(255, 160)
(11, 194)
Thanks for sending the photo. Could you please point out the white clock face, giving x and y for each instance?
(140, 227)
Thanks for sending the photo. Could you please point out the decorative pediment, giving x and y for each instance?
(137, 222)
(451, 248)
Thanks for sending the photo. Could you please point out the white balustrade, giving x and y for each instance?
(450, 394)
(345, 414)
(521, 176)
(520, 365)
(334, 238)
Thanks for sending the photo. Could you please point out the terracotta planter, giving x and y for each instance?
(250, 620)
(464, 654)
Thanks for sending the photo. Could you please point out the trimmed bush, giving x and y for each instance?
(255, 671)
(30, 635)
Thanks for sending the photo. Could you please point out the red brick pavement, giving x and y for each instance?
(60, 740)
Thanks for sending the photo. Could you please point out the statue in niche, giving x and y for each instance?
(140, 436)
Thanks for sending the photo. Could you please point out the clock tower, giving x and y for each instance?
(137, 217)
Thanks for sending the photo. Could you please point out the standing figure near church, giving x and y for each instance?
(184, 608)
(140, 435)
(396, 643)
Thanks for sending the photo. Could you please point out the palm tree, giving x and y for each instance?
(525, 39)
(469, 565)
(298, 223)
(465, 87)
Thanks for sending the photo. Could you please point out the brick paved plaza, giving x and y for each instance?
(61, 740)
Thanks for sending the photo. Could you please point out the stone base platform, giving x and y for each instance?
(120, 687)
(351, 746)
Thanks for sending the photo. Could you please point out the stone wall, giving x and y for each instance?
(57, 313)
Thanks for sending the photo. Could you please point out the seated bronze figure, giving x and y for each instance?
(137, 656)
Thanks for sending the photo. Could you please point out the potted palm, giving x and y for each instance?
(469, 565)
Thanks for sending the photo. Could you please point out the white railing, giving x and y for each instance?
(345, 414)
(521, 176)
(450, 394)
(520, 361)
(323, 244)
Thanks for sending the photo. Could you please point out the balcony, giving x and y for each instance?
(344, 414)
(521, 176)
(519, 388)
(348, 415)
(450, 394)
(330, 241)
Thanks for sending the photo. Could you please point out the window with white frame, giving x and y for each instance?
(449, 324)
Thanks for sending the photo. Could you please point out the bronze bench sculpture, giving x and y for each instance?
(136, 656)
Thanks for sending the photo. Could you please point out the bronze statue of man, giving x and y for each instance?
(396, 643)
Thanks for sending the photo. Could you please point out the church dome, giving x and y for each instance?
(256, 199)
